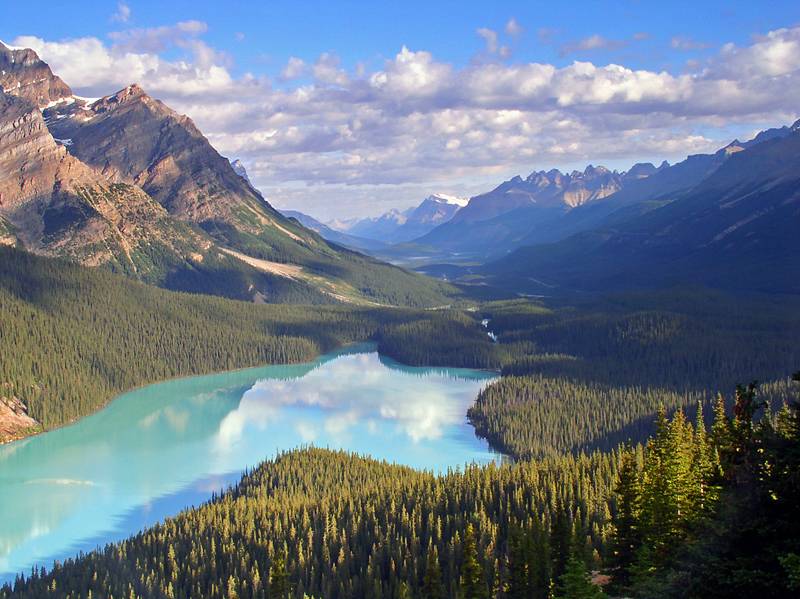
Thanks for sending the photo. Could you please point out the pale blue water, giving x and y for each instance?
(157, 450)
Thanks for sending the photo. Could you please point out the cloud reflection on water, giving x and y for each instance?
(352, 390)
(142, 457)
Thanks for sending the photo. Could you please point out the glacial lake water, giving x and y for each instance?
(165, 447)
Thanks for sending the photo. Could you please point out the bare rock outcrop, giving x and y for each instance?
(25, 75)
(15, 422)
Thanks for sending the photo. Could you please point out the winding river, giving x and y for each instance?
(159, 449)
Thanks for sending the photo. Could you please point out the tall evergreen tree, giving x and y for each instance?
(278, 579)
(576, 582)
(627, 536)
(560, 542)
(473, 581)
(519, 565)
(432, 586)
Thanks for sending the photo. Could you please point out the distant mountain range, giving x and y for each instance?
(728, 219)
(332, 235)
(722, 219)
(126, 183)
(399, 226)
(495, 221)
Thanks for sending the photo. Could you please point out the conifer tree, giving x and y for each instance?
(627, 536)
(432, 586)
(473, 583)
(519, 558)
(576, 582)
(278, 579)
(560, 542)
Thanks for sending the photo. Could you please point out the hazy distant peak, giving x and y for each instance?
(641, 170)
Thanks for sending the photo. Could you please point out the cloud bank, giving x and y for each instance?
(416, 122)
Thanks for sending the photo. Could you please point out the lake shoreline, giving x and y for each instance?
(24, 435)
(109, 475)
(104, 405)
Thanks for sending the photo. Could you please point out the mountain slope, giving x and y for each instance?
(736, 229)
(639, 194)
(133, 138)
(128, 183)
(497, 220)
(60, 207)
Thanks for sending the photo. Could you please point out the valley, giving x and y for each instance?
(576, 383)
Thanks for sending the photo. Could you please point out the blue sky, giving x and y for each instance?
(356, 125)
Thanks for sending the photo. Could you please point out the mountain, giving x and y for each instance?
(550, 189)
(638, 195)
(54, 204)
(26, 76)
(332, 235)
(432, 212)
(379, 227)
(496, 220)
(397, 226)
(127, 183)
(133, 138)
(737, 228)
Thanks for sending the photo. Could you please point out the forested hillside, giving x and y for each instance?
(339, 526)
(71, 338)
(591, 373)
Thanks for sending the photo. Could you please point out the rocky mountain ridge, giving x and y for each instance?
(397, 226)
(25, 75)
(127, 183)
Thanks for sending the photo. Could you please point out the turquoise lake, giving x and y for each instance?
(165, 447)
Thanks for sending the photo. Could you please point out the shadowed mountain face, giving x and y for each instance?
(737, 229)
(133, 138)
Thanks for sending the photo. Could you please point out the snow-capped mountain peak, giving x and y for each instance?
(239, 169)
(449, 199)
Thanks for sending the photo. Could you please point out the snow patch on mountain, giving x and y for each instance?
(449, 199)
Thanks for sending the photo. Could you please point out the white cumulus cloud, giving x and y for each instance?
(334, 139)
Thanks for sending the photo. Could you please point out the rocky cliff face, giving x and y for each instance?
(32, 164)
(546, 189)
(55, 205)
(25, 75)
(14, 420)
